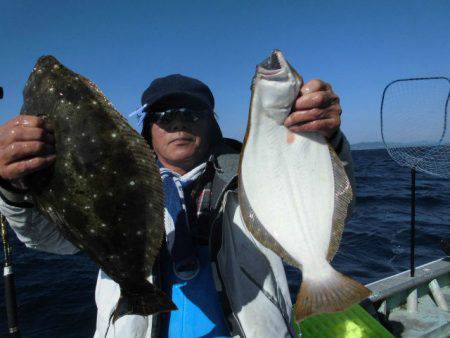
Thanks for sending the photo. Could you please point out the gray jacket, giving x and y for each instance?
(249, 278)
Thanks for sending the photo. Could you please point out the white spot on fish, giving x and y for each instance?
(103, 225)
(139, 232)
(124, 204)
(49, 209)
(132, 183)
(68, 139)
(61, 94)
(51, 89)
(95, 195)
(91, 175)
(113, 135)
(103, 168)
(83, 134)
(78, 107)
(93, 140)
(55, 66)
(39, 71)
(94, 102)
(62, 101)
(87, 207)
(92, 231)
(67, 117)
(115, 172)
(76, 78)
(64, 199)
(110, 193)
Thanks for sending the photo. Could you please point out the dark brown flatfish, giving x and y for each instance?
(104, 190)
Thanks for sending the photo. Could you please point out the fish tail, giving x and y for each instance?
(332, 293)
(144, 301)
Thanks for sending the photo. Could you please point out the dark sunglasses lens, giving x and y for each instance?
(165, 118)
(185, 115)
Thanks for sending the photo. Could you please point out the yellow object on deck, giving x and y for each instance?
(355, 322)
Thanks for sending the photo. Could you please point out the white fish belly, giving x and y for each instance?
(289, 183)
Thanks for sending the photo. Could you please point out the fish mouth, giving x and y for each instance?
(272, 65)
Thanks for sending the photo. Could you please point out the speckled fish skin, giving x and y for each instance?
(104, 190)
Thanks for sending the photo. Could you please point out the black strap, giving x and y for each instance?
(14, 196)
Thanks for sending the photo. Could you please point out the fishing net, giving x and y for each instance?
(414, 123)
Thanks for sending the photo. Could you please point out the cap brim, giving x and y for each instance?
(179, 99)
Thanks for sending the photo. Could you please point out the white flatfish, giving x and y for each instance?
(294, 192)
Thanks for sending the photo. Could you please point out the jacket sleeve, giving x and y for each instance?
(31, 228)
(340, 144)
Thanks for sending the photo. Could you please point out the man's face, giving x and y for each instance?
(181, 145)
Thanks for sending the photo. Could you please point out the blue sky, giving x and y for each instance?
(357, 46)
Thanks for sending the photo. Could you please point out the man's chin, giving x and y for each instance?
(182, 156)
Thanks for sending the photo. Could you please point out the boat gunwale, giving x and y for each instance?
(403, 282)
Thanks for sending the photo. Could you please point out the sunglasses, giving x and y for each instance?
(184, 114)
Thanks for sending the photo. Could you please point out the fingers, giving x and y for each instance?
(26, 145)
(19, 134)
(21, 150)
(315, 85)
(317, 109)
(317, 99)
(29, 121)
(20, 169)
(326, 127)
(303, 116)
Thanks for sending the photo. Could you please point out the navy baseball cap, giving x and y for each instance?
(177, 88)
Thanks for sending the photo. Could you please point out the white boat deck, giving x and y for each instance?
(390, 294)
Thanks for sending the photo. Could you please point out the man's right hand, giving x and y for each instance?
(26, 145)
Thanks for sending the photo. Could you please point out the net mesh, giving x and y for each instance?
(414, 123)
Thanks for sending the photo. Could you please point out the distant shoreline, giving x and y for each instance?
(367, 146)
(380, 145)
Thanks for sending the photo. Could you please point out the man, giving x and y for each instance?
(222, 280)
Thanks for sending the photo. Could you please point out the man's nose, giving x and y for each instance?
(177, 124)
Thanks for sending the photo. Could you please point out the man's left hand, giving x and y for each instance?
(316, 109)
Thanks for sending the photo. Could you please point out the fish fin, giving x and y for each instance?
(334, 293)
(343, 196)
(144, 301)
(258, 231)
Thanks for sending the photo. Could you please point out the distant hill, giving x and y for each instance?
(367, 145)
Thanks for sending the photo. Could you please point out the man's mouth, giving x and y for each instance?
(182, 140)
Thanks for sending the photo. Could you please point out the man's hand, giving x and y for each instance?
(26, 145)
(316, 109)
